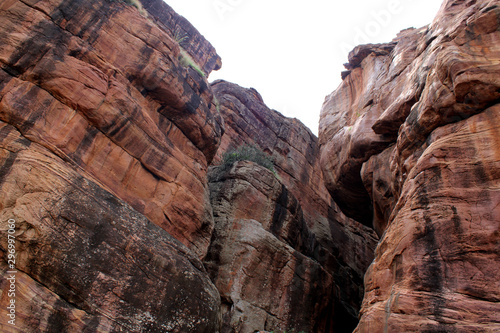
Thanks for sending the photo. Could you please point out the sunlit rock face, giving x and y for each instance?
(105, 140)
(410, 145)
(297, 210)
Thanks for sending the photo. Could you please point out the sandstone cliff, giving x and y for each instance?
(409, 145)
(330, 251)
(108, 129)
(111, 141)
(106, 137)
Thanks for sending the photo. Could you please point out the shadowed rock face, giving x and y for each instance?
(297, 210)
(263, 256)
(409, 145)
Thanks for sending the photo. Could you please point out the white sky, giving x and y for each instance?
(293, 51)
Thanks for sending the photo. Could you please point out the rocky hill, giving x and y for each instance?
(124, 217)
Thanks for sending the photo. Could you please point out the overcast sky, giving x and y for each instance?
(293, 51)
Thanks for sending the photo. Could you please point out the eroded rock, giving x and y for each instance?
(87, 261)
(263, 259)
(409, 145)
(342, 246)
(102, 86)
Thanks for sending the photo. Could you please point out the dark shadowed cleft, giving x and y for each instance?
(280, 211)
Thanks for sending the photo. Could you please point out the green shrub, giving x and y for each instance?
(180, 37)
(186, 61)
(137, 4)
(248, 153)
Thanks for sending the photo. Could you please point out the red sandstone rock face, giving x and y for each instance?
(342, 246)
(409, 144)
(263, 258)
(101, 86)
(105, 141)
(185, 33)
(437, 266)
(87, 261)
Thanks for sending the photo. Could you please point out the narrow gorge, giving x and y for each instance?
(120, 213)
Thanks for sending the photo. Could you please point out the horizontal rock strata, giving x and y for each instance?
(106, 134)
(100, 85)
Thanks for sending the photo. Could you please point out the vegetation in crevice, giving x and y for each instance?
(217, 104)
(180, 37)
(248, 153)
(186, 61)
(137, 4)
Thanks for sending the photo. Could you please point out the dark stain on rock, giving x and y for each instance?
(397, 268)
(480, 172)
(456, 220)
(5, 78)
(92, 325)
(431, 183)
(432, 279)
(70, 12)
(299, 236)
(58, 320)
(6, 166)
(44, 37)
(84, 145)
(118, 129)
(5, 131)
(213, 257)
(26, 115)
(194, 103)
(430, 274)
(147, 81)
(100, 235)
(280, 211)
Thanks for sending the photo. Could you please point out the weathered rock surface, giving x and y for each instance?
(185, 33)
(108, 128)
(342, 246)
(102, 86)
(105, 141)
(87, 261)
(409, 145)
(257, 256)
(437, 266)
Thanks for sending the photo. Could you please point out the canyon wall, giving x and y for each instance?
(330, 251)
(106, 137)
(410, 146)
(111, 139)
(127, 219)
